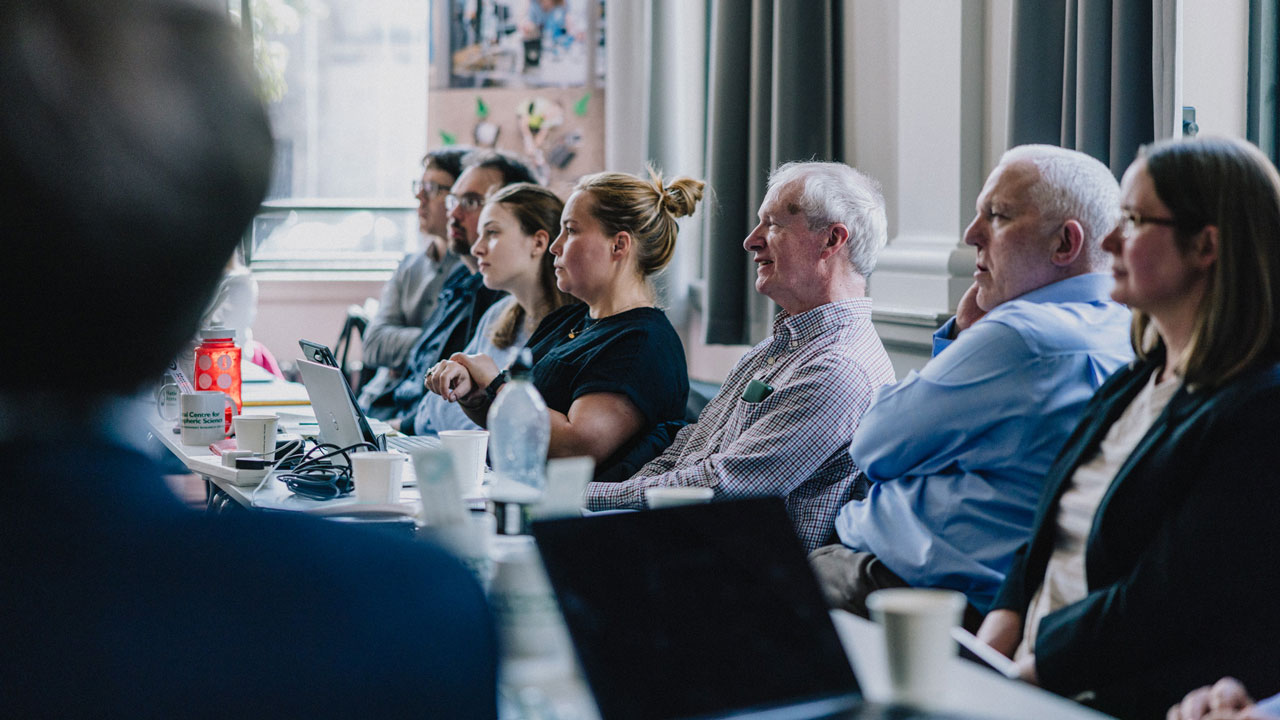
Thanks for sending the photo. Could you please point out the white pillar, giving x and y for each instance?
(915, 77)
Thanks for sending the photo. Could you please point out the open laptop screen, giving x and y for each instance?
(695, 610)
(338, 418)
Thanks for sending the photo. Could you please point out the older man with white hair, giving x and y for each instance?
(783, 419)
(955, 455)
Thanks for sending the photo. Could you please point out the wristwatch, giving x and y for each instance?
(491, 391)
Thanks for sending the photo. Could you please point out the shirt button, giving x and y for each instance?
(794, 345)
(770, 360)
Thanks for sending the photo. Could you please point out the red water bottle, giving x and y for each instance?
(218, 365)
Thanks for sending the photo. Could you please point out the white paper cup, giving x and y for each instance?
(566, 479)
(377, 476)
(467, 450)
(255, 433)
(204, 416)
(660, 497)
(917, 635)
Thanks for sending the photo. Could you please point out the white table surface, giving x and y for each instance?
(972, 690)
(202, 461)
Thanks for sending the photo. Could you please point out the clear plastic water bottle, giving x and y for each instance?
(519, 428)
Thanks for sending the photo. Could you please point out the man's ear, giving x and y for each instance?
(1068, 244)
(836, 240)
(1204, 247)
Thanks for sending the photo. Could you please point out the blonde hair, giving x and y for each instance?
(645, 209)
(1232, 186)
(535, 208)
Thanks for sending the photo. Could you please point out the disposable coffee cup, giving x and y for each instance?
(661, 497)
(918, 645)
(256, 433)
(467, 450)
(377, 476)
(204, 416)
(566, 480)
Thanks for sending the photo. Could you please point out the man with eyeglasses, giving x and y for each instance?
(463, 298)
(955, 455)
(410, 295)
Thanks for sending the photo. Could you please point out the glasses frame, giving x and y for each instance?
(470, 202)
(431, 188)
(1132, 222)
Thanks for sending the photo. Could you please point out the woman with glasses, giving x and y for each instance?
(612, 368)
(511, 250)
(1155, 565)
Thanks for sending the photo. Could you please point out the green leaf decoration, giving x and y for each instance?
(448, 138)
(580, 107)
(482, 109)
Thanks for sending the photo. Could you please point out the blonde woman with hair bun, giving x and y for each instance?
(611, 368)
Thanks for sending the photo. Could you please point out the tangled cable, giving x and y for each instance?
(315, 475)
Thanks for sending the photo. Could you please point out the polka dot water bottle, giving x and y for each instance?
(218, 365)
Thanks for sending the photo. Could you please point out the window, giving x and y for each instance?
(346, 85)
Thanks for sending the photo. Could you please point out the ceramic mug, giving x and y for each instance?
(204, 416)
(167, 401)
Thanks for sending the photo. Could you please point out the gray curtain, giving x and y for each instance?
(1082, 76)
(772, 97)
(1262, 124)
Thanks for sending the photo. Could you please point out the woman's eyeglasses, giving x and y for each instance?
(1133, 222)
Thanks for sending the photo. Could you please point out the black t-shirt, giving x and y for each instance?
(634, 353)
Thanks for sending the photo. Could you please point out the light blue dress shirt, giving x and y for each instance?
(957, 453)
(1270, 706)
(434, 413)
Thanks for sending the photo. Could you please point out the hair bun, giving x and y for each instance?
(681, 197)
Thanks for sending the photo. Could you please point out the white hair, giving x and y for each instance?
(833, 192)
(1073, 186)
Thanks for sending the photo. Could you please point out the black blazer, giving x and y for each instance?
(117, 601)
(1183, 558)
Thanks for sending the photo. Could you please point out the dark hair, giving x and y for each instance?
(1232, 186)
(646, 209)
(133, 153)
(447, 159)
(513, 169)
(535, 208)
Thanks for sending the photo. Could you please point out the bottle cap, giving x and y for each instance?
(217, 333)
(522, 367)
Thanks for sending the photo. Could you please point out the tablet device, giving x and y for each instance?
(974, 650)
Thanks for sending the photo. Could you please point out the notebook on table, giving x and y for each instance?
(339, 420)
(700, 611)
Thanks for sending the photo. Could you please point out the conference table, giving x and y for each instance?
(546, 682)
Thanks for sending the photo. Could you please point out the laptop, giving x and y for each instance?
(701, 611)
(340, 421)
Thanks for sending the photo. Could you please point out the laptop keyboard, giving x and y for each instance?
(406, 443)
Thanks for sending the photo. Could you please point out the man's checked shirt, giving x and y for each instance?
(824, 366)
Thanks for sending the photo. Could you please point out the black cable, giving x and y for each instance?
(316, 476)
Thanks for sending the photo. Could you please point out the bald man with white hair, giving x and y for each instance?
(955, 455)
